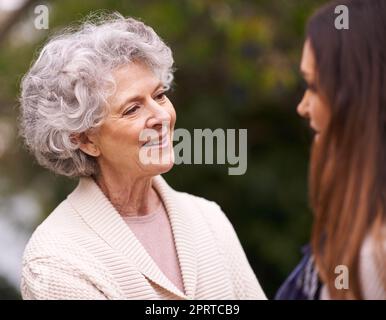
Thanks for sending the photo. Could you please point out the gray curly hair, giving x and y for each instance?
(65, 91)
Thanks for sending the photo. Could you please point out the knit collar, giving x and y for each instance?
(100, 215)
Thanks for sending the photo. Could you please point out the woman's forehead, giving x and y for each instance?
(307, 65)
(133, 81)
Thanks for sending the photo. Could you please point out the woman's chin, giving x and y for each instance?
(156, 169)
(317, 137)
(161, 165)
(166, 168)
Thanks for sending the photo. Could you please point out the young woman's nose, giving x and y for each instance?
(303, 107)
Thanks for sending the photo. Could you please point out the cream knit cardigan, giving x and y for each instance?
(84, 250)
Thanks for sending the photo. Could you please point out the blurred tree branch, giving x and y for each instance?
(13, 19)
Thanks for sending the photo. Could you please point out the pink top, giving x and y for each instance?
(155, 234)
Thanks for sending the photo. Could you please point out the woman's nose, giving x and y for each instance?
(159, 115)
(303, 107)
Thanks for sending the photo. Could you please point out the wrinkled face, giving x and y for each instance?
(312, 106)
(136, 138)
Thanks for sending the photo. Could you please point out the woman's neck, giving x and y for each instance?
(131, 196)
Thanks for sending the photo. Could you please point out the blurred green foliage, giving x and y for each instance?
(237, 67)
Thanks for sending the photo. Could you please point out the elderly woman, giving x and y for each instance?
(123, 233)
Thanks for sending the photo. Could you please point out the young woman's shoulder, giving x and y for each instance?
(369, 272)
(370, 275)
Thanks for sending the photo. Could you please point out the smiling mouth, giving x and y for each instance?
(159, 142)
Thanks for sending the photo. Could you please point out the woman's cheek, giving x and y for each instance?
(173, 117)
(322, 114)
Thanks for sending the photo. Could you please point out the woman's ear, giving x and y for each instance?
(86, 142)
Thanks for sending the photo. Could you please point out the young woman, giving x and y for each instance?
(345, 103)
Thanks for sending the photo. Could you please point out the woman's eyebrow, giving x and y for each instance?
(159, 86)
(127, 100)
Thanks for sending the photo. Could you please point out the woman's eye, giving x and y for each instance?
(304, 84)
(161, 96)
(131, 110)
(312, 87)
(308, 86)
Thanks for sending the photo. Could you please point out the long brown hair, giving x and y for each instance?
(348, 162)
